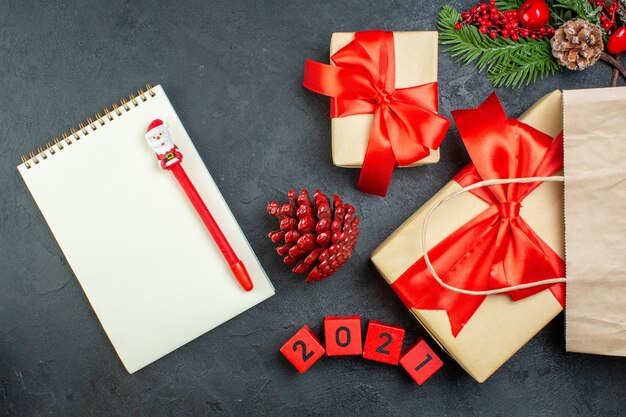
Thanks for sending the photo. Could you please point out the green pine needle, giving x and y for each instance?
(561, 10)
(509, 4)
(508, 63)
(581, 9)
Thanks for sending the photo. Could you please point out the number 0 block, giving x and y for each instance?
(383, 342)
(303, 349)
(343, 336)
(421, 362)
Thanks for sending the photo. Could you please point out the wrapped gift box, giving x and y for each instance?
(383, 89)
(500, 326)
(416, 64)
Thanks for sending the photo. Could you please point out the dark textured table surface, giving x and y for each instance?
(233, 71)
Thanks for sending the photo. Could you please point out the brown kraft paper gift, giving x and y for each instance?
(500, 326)
(416, 64)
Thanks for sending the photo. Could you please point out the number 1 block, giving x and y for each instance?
(303, 349)
(421, 362)
(383, 342)
(343, 336)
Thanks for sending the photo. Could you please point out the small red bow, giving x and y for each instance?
(497, 248)
(406, 124)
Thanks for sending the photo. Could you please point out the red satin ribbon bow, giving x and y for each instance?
(406, 124)
(497, 248)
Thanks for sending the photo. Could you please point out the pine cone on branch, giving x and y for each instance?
(316, 237)
(622, 10)
(577, 44)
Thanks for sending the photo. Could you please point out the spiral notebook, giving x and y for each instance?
(152, 273)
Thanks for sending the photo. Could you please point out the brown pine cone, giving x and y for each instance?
(317, 238)
(622, 10)
(577, 44)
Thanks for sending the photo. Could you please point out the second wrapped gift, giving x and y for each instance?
(383, 87)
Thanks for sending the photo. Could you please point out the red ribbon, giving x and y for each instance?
(497, 248)
(406, 124)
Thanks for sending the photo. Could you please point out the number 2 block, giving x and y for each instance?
(383, 342)
(303, 349)
(421, 362)
(343, 336)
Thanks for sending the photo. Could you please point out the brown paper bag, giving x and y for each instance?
(595, 222)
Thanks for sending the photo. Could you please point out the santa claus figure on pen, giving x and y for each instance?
(159, 139)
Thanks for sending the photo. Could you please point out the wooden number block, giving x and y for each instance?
(383, 342)
(343, 336)
(303, 349)
(421, 362)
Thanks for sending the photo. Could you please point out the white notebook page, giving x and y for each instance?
(143, 257)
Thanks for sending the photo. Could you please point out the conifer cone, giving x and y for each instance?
(316, 237)
(577, 44)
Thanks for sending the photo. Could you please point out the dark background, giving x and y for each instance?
(233, 71)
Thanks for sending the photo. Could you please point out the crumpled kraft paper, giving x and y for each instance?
(595, 220)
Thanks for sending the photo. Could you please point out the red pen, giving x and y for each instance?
(170, 158)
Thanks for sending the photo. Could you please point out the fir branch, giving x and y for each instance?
(561, 10)
(509, 63)
(509, 4)
(522, 73)
(581, 9)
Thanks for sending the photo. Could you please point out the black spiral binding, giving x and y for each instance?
(84, 128)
